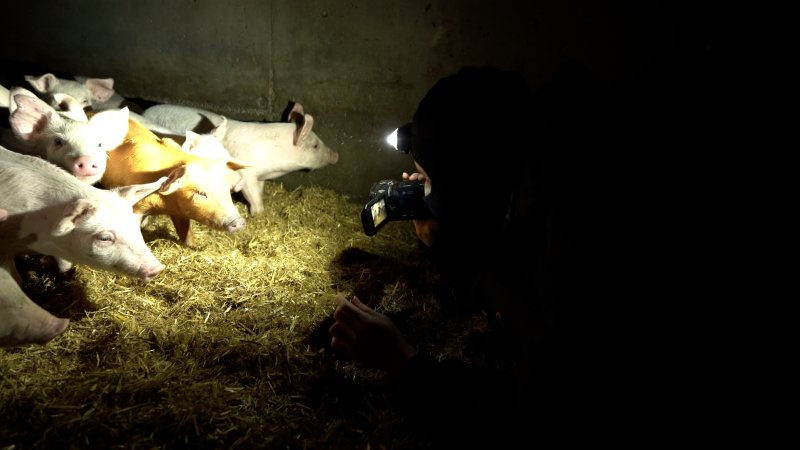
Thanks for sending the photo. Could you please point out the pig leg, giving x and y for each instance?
(9, 263)
(252, 190)
(21, 320)
(12, 270)
(183, 228)
(27, 323)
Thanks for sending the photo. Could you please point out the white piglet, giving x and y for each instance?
(274, 149)
(52, 213)
(89, 92)
(65, 138)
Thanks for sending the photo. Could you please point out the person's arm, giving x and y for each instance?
(431, 386)
(426, 229)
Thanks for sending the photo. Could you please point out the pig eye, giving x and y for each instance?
(105, 237)
(201, 194)
(59, 142)
(316, 146)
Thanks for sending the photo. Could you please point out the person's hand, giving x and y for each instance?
(426, 229)
(416, 176)
(368, 336)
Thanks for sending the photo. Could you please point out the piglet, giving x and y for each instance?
(206, 145)
(195, 189)
(52, 213)
(274, 149)
(88, 91)
(77, 144)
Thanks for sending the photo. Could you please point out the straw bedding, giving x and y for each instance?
(228, 347)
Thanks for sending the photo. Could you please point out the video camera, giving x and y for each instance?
(392, 200)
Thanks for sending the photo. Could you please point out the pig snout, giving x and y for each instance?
(147, 273)
(235, 225)
(333, 158)
(86, 166)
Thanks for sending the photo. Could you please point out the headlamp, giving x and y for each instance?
(400, 139)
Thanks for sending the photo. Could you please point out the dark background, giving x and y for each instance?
(360, 67)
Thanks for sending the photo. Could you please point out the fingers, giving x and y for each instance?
(342, 304)
(347, 309)
(351, 317)
(413, 177)
(350, 321)
(366, 313)
(341, 331)
(346, 312)
(361, 306)
(341, 346)
(343, 336)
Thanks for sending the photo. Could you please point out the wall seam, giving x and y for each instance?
(271, 62)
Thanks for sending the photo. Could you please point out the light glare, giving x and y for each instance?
(392, 139)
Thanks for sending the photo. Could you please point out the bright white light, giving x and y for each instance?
(392, 139)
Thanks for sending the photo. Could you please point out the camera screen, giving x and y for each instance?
(378, 212)
(374, 215)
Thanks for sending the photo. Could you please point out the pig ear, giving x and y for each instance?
(236, 164)
(112, 125)
(16, 90)
(70, 107)
(296, 113)
(220, 130)
(74, 213)
(136, 192)
(205, 126)
(173, 182)
(303, 128)
(101, 88)
(44, 83)
(31, 117)
(191, 142)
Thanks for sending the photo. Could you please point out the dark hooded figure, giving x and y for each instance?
(527, 228)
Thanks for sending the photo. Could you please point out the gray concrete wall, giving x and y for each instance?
(358, 66)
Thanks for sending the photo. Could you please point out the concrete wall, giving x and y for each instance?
(358, 66)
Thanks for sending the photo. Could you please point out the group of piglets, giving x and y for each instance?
(79, 171)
